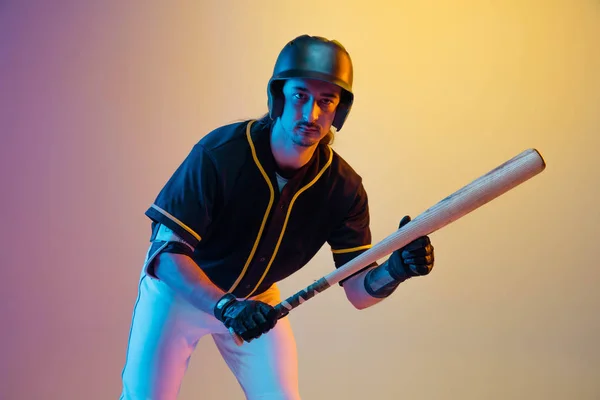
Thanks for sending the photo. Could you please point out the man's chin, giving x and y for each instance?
(306, 139)
(304, 142)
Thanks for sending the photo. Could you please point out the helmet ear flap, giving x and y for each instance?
(276, 99)
(343, 109)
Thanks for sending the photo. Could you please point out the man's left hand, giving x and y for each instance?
(414, 259)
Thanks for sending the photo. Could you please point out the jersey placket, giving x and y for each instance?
(267, 248)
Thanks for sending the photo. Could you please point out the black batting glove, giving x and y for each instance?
(414, 259)
(249, 319)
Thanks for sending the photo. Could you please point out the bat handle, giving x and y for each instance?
(281, 311)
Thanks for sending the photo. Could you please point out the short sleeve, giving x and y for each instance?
(186, 202)
(352, 236)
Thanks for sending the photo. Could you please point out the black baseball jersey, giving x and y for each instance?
(225, 201)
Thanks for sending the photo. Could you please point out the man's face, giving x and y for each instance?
(309, 110)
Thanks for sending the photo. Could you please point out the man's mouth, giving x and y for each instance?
(307, 129)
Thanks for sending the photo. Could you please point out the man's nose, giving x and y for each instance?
(311, 111)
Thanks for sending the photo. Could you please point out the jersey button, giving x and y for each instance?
(262, 259)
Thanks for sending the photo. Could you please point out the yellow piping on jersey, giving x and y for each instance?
(340, 251)
(264, 221)
(178, 222)
(287, 216)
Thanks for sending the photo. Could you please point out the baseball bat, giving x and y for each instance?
(482, 190)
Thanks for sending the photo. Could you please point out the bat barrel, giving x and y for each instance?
(465, 200)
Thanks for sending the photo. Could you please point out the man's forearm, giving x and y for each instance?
(182, 275)
(371, 286)
(356, 292)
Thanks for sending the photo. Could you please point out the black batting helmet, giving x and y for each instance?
(313, 57)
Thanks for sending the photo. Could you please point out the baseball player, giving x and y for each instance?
(251, 204)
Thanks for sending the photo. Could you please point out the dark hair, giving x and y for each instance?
(268, 122)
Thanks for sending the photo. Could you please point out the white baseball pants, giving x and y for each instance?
(165, 330)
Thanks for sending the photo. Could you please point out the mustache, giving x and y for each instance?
(307, 125)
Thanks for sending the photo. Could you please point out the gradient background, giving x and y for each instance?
(101, 101)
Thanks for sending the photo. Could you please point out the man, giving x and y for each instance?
(251, 204)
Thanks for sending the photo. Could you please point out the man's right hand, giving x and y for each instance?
(249, 319)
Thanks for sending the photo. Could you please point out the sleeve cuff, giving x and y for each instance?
(161, 216)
